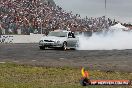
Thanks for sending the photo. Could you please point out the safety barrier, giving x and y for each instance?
(32, 38)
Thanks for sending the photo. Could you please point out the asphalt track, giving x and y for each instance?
(107, 60)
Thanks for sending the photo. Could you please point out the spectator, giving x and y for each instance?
(28, 16)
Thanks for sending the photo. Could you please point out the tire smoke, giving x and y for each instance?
(112, 40)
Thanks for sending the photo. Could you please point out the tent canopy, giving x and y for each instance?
(119, 26)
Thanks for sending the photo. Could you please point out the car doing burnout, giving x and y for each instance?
(59, 39)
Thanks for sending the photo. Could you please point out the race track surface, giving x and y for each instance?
(107, 60)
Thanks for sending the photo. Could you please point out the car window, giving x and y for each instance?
(71, 35)
(58, 34)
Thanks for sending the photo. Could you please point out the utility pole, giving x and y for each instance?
(105, 17)
(105, 8)
(41, 27)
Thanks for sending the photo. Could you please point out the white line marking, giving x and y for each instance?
(2, 62)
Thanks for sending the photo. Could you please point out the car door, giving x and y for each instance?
(71, 41)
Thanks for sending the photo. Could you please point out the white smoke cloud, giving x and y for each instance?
(118, 40)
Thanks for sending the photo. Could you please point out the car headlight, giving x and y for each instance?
(41, 41)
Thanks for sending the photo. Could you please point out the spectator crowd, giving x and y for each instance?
(41, 16)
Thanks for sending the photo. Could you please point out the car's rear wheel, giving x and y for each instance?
(64, 46)
(42, 47)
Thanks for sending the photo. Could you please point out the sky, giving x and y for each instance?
(121, 10)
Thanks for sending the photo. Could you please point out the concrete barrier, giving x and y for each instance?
(32, 38)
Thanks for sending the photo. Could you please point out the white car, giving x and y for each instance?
(59, 39)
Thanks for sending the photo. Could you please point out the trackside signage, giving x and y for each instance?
(110, 82)
(85, 80)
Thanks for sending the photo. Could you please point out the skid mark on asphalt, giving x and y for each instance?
(16, 61)
(61, 58)
(34, 60)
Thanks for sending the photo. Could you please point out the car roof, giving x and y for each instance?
(61, 31)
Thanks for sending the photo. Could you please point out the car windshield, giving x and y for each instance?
(58, 34)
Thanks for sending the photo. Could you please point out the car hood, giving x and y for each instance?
(53, 38)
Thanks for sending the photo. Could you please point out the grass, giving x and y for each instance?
(23, 76)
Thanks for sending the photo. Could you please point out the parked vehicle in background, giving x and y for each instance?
(59, 39)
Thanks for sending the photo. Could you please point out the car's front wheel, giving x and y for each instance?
(42, 47)
(64, 47)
